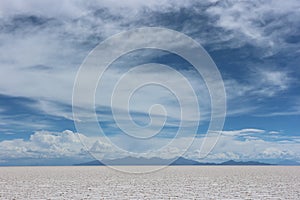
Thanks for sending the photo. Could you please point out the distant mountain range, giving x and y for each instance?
(160, 161)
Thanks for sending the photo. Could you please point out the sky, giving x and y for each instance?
(255, 46)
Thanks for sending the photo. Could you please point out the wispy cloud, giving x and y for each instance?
(257, 22)
(242, 132)
(55, 35)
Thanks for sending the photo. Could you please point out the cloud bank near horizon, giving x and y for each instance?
(46, 145)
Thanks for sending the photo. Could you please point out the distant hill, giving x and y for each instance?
(232, 162)
(288, 163)
(160, 161)
(184, 161)
(94, 162)
(137, 161)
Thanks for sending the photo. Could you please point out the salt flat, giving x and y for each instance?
(175, 182)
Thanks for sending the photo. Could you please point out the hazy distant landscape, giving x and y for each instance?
(174, 182)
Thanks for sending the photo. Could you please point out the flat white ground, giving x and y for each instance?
(182, 182)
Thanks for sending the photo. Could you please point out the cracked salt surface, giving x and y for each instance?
(175, 182)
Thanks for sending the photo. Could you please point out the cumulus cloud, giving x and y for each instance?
(43, 144)
(67, 144)
(243, 147)
(276, 153)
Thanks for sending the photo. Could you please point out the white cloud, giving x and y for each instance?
(257, 22)
(253, 149)
(43, 144)
(76, 8)
(66, 144)
(263, 82)
(273, 152)
(224, 156)
(272, 81)
(49, 8)
(276, 78)
(274, 132)
(242, 132)
(59, 44)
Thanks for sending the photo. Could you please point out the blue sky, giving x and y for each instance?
(255, 45)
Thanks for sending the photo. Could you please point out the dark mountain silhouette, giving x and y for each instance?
(137, 161)
(184, 161)
(94, 162)
(232, 162)
(160, 161)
